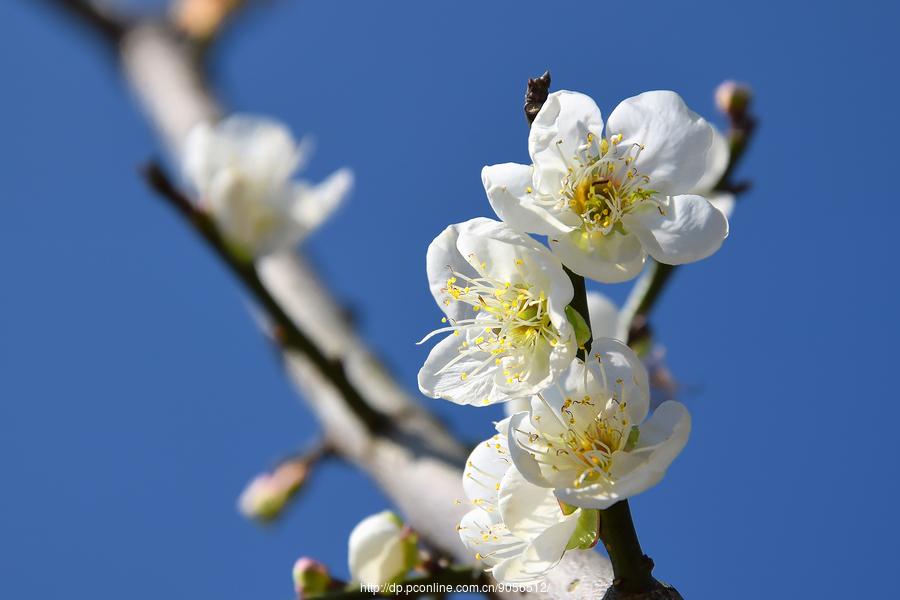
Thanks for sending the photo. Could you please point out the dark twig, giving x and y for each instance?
(285, 331)
(110, 27)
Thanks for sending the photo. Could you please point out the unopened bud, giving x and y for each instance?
(266, 496)
(733, 98)
(311, 578)
(202, 18)
(382, 549)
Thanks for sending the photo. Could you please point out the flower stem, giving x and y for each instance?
(579, 303)
(631, 568)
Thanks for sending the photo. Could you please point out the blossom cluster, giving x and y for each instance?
(581, 432)
(581, 435)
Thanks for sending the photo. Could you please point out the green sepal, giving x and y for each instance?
(567, 509)
(582, 331)
(587, 532)
(633, 435)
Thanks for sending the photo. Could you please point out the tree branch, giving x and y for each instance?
(415, 461)
(285, 331)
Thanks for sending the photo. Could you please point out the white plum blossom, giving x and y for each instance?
(505, 297)
(381, 550)
(517, 529)
(606, 202)
(716, 164)
(586, 438)
(242, 167)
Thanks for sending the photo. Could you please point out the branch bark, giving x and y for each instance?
(415, 461)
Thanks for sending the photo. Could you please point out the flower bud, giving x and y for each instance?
(202, 18)
(311, 578)
(381, 550)
(733, 98)
(265, 497)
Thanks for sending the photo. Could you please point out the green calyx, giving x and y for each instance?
(582, 331)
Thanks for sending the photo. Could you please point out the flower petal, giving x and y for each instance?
(542, 554)
(485, 468)
(313, 204)
(526, 509)
(716, 163)
(507, 186)
(675, 139)
(621, 372)
(561, 126)
(265, 148)
(691, 229)
(375, 549)
(200, 157)
(611, 258)
(505, 253)
(485, 534)
(516, 406)
(442, 257)
(437, 380)
(724, 202)
(520, 426)
(604, 316)
(661, 439)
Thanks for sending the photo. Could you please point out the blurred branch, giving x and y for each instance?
(415, 461)
(285, 331)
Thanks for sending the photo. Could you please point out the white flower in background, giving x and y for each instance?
(516, 528)
(586, 437)
(607, 202)
(716, 163)
(242, 168)
(505, 297)
(381, 550)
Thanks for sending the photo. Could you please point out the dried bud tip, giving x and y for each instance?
(535, 95)
(733, 98)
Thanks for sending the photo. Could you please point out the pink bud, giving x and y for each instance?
(265, 496)
(311, 578)
(732, 98)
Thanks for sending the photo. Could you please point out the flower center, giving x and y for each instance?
(511, 320)
(594, 429)
(593, 445)
(603, 185)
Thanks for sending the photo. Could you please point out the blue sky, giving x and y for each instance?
(137, 397)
